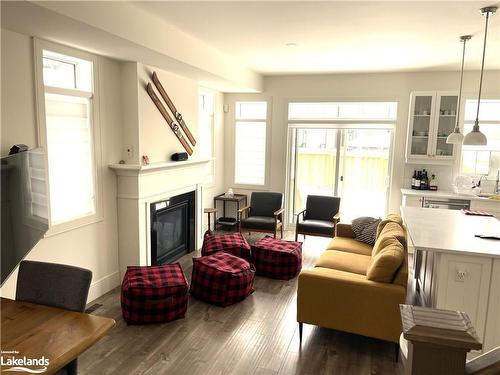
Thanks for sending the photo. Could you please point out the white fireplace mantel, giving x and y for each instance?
(139, 186)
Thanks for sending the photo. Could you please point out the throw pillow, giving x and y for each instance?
(365, 229)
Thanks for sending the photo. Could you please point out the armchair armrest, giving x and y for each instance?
(242, 210)
(300, 213)
(336, 217)
(279, 212)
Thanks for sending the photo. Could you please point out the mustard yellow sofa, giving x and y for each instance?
(355, 287)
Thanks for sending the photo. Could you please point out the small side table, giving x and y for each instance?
(210, 211)
(437, 340)
(239, 199)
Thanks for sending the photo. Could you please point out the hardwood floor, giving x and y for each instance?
(256, 336)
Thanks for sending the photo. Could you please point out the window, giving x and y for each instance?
(343, 111)
(250, 143)
(206, 132)
(482, 160)
(66, 105)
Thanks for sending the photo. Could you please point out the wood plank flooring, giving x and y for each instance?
(256, 336)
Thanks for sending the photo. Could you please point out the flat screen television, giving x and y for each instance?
(24, 207)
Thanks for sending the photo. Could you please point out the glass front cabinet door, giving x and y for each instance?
(432, 118)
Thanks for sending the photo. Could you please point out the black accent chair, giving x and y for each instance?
(56, 285)
(265, 214)
(319, 218)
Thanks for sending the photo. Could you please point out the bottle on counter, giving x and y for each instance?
(417, 180)
(433, 184)
(414, 180)
(424, 183)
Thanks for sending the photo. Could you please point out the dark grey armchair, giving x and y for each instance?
(57, 285)
(319, 218)
(265, 214)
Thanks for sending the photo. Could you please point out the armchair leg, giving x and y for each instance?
(301, 326)
(281, 231)
(296, 236)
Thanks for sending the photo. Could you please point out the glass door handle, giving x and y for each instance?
(341, 178)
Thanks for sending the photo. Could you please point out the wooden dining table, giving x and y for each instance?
(33, 331)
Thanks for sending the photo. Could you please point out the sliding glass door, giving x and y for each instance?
(350, 163)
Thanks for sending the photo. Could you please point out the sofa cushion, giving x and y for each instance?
(349, 245)
(343, 261)
(391, 218)
(326, 228)
(391, 230)
(384, 265)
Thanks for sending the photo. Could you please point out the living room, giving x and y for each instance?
(335, 100)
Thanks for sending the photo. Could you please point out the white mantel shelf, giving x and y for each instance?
(153, 167)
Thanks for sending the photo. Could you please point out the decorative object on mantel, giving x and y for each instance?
(121, 162)
(172, 108)
(179, 156)
(456, 137)
(475, 137)
(173, 125)
(145, 159)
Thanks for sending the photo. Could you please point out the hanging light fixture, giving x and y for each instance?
(456, 137)
(475, 137)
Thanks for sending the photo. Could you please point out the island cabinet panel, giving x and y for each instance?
(464, 285)
(492, 335)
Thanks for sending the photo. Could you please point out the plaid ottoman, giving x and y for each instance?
(277, 259)
(222, 279)
(154, 294)
(233, 243)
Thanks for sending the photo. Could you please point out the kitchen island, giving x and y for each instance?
(455, 270)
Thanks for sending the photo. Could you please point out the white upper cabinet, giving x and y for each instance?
(432, 118)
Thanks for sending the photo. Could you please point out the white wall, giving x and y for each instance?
(93, 246)
(387, 86)
(128, 117)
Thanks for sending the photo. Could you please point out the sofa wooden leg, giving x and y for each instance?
(301, 326)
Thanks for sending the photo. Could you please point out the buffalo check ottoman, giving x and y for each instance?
(154, 294)
(222, 279)
(233, 243)
(277, 259)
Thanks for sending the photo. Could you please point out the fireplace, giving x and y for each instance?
(172, 228)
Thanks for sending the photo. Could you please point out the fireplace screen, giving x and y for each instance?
(172, 228)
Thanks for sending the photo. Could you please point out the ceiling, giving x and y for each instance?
(338, 37)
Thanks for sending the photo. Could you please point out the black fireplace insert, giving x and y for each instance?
(172, 228)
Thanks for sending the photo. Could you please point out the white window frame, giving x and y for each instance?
(390, 124)
(267, 121)
(40, 89)
(463, 121)
(211, 164)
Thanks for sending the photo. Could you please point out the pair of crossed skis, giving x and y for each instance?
(171, 123)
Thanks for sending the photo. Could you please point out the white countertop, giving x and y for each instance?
(451, 231)
(446, 194)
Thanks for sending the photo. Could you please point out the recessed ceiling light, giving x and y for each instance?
(291, 44)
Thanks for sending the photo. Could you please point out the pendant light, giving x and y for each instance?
(475, 137)
(456, 137)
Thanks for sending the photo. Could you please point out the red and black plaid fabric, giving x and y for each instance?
(222, 279)
(154, 294)
(233, 243)
(277, 259)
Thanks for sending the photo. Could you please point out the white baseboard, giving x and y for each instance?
(103, 285)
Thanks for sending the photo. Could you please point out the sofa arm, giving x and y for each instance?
(349, 302)
(344, 230)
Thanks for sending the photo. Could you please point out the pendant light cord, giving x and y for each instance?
(457, 126)
(482, 69)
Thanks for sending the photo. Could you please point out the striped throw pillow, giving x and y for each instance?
(365, 229)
